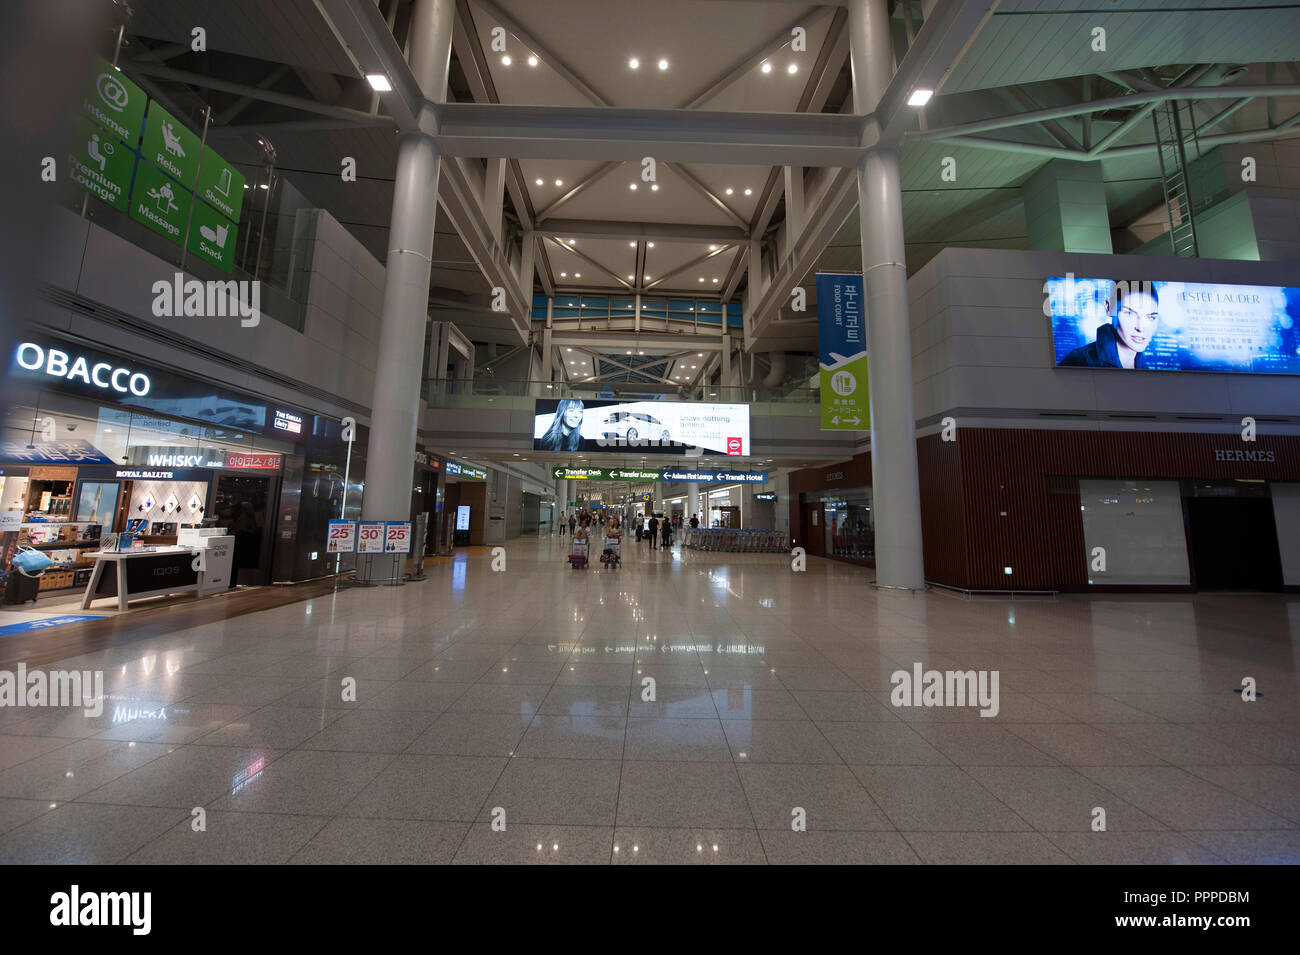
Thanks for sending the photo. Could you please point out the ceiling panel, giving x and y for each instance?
(613, 199)
(286, 31)
(700, 39)
(1029, 41)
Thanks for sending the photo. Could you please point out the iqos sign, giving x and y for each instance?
(100, 374)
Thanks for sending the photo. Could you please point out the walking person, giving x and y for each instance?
(562, 524)
(654, 531)
(667, 534)
(573, 523)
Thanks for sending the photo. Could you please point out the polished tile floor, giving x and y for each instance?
(516, 697)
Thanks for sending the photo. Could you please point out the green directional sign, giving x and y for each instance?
(113, 101)
(605, 474)
(221, 184)
(632, 474)
(212, 237)
(170, 146)
(101, 164)
(159, 202)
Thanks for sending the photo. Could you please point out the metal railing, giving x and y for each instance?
(480, 392)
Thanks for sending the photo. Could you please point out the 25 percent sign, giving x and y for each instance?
(397, 537)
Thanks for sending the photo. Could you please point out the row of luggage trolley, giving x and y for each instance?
(735, 540)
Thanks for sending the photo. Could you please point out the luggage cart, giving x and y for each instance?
(578, 554)
(612, 555)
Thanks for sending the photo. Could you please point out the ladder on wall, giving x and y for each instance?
(1172, 120)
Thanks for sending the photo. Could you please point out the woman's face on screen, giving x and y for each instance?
(1137, 320)
(572, 417)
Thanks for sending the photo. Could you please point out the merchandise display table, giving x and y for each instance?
(159, 571)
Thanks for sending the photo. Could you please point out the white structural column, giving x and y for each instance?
(896, 490)
(693, 501)
(561, 497)
(395, 405)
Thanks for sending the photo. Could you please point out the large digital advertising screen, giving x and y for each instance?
(1174, 326)
(667, 427)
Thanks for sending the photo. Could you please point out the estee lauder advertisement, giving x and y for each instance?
(1174, 326)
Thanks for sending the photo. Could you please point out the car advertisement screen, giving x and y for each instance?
(1174, 326)
(668, 427)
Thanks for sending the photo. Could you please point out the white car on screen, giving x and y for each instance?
(632, 428)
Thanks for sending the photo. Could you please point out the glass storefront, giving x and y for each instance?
(848, 527)
(72, 469)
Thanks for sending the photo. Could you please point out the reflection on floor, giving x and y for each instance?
(517, 698)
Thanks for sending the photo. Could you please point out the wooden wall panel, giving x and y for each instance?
(943, 517)
(999, 498)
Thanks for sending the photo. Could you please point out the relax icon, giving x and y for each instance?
(171, 141)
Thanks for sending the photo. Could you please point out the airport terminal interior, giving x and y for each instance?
(690, 431)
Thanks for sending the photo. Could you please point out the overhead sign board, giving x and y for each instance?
(212, 237)
(466, 471)
(169, 145)
(669, 427)
(221, 185)
(113, 101)
(160, 202)
(842, 344)
(100, 164)
(715, 477)
(605, 474)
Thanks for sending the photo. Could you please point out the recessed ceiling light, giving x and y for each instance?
(647, 278)
(564, 275)
(379, 82)
(712, 248)
(631, 277)
(650, 245)
(663, 64)
(532, 61)
(568, 349)
(631, 245)
(577, 275)
(632, 186)
(749, 192)
(701, 278)
(715, 279)
(919, 97)
(505, 60)
(767, 67)
(559, 182)
(539, 182)
(634, 63)
(699, 355)
(792, 68)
